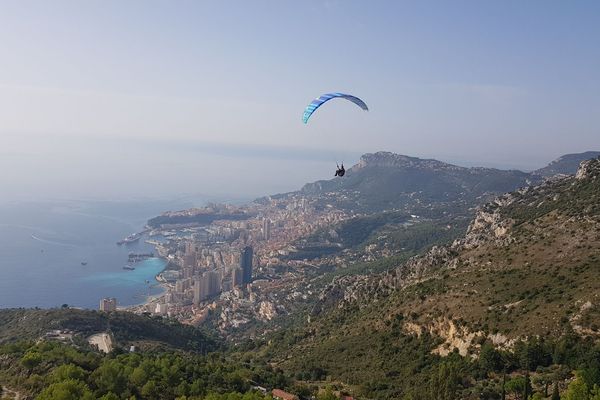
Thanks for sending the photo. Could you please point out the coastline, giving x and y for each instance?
(73, 256)
(151, 300)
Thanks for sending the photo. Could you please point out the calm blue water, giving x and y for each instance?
(42, 246)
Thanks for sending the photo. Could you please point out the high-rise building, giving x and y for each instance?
(267, 229)
(246, 264)
(237, 277)
(190, 248)
(197, 290)
(208, 285)
(108, 304)
(189, 260)
(181, 285)
(188, 272)
(161, 309)
(226, 286)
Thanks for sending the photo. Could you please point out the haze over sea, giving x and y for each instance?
(42, 246)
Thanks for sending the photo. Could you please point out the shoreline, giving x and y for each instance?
(152, 299)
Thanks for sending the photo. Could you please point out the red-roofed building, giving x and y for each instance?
(280, 394)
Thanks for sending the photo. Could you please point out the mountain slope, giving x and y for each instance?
(566, 165)
(527, 268)
(540, 244)
(126, 328)
(384, 181)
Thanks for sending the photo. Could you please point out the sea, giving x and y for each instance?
(64, 252)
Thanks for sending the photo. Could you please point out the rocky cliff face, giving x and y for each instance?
(362, 290)
(589, 169)
(488, 225)
(391, 160)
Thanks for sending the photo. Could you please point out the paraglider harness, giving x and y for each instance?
(340, 171)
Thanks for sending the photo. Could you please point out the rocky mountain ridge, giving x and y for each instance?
(516, 220)
(566, 164)
(387, 181)
(392, 160)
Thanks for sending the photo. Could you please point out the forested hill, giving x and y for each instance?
(126, 328)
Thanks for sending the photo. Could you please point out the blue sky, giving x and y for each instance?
(128, 84)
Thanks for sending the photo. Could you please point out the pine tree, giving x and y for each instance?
(526, 387)
(504, 385)
(555, 395)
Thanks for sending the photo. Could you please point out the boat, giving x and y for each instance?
(128, 268)
(137, 257)
(134, 237)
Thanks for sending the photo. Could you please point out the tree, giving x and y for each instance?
(444, 381)
(503, 396)
(139, 376)
(67, 371)
(555, 395)
(590, 373)
(110, 377)
(150, 390)
(516, 385)
(577, 389)
(545, 380)
(327, 395)
(109, 396)
(66, 390)
(489, 358)
(31, 360)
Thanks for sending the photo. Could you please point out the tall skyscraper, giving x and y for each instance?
(207, 286)
(188, 272)
(198, 290)
(237, 277)
(267, 229)
(108, 304)
(189, 260)
(246, 264)
(181, 285)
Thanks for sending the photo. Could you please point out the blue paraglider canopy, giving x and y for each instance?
(310, 109)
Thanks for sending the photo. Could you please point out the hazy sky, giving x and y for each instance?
(144, 98)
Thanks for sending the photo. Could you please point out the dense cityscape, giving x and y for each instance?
(240, 268)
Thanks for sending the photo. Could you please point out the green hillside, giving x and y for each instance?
(56, 371)
(126, 328)
(522, 285)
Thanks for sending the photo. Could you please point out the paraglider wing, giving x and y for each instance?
(310, 109)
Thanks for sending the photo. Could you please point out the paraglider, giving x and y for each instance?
(316, 103)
